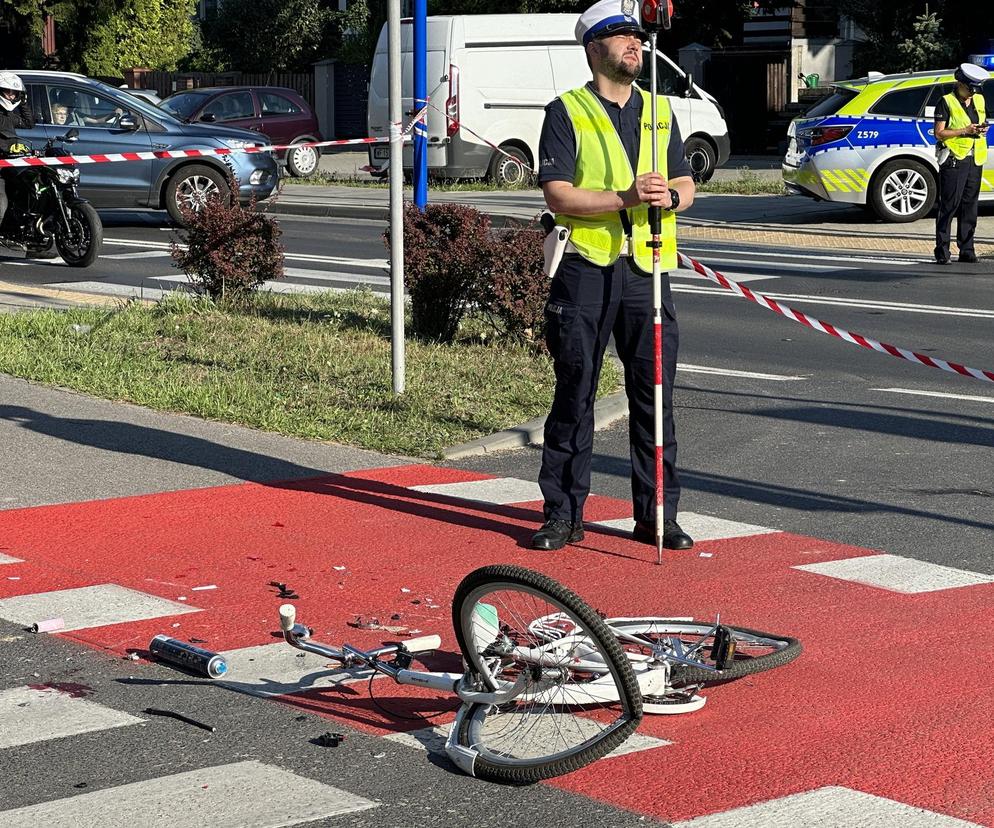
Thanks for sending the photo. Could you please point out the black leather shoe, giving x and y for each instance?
(673, 536)
(555, 534)
(943, 260)
(968, 258)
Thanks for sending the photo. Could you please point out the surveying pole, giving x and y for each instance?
(656, 15)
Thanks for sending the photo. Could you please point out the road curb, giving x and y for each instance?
(607, 411)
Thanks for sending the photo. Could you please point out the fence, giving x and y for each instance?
(165, 83)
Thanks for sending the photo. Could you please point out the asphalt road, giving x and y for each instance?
(778, 425)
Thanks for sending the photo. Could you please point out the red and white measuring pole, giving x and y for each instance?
(656, 15)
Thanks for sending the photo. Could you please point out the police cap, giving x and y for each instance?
(972, 75)
(609, 17)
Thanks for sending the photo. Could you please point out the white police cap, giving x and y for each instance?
(971, 74)
(608, 17)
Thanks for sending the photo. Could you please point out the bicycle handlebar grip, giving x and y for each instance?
(288, 617)
(423, 644)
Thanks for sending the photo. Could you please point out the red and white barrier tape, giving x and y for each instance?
(396, 134)
(826, 328)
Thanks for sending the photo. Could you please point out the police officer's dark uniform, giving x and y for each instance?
(961, 163)
(587, 303)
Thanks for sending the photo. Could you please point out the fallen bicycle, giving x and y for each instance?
(549, 685)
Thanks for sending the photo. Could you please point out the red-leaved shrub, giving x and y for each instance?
(447, 251)
(229, 249)
(514, 294)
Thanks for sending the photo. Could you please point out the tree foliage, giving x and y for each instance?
(269, 35)
(152, 33)
(918, 34)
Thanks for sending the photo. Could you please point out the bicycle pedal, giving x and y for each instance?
(723, 648)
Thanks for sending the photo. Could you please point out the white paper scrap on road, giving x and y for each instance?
(239, 795)
(831, 807)
(36, 714)
(7, 559)
(898, 574)
(92, 606)
(699, 527)
(432, 739)
(278, 670)
(499, 490)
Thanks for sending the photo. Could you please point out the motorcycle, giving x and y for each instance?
(45, 210)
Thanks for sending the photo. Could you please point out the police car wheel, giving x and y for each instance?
(903, 190)
(701, 157)
(510, 170)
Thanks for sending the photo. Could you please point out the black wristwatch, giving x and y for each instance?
(675, 201)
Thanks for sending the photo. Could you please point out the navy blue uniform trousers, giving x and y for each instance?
(959, 194)
(586, 305)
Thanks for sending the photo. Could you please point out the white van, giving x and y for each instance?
(495, 73)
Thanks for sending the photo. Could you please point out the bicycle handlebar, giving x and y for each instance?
(288, 617)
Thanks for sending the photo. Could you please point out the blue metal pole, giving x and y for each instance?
(420, 95)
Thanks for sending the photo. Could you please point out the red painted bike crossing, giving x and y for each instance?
(878, 702)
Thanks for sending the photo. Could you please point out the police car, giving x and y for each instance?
(871, 143)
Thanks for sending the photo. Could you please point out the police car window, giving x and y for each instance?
(906, 103)
(936, 95)
(833, 103)
(989, 92)
(666, 76)
(74, 106)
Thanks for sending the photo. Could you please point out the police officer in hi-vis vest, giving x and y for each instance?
(961, 136)
(596, 173)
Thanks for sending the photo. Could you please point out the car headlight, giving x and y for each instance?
(239, 143)
(67, 174)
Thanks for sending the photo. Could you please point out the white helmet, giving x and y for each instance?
(8, 80)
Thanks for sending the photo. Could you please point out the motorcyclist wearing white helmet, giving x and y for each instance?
(14, 114)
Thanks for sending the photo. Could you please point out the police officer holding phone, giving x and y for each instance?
(961, 136)
(596, 174)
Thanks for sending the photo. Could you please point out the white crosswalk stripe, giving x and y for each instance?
(92, 606)
(897, 574)
(35, 714)
(238, 795)
(832, 807)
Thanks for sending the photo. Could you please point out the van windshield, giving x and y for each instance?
(833, 103)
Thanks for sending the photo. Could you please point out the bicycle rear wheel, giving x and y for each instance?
(694, 642)
(579, 696)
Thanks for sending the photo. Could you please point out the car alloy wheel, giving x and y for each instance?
(195, 191)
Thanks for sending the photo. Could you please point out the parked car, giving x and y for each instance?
(149, 95)
(872, 142)
(112, 121)
(280, 114)
(495, 74)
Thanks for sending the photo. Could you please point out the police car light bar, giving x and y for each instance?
(986, 61)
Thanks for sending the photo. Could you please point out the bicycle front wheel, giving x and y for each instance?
(578, 696)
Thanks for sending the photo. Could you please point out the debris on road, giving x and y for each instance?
(172, 714)
(374, 624)
(284, 590)
(202, 588)
(49, 625)
(198, 660)
(329, 739)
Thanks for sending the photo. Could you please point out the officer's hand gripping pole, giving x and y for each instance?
(656, 15)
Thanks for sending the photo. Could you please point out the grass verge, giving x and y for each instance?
(748, 183)
(316, 366)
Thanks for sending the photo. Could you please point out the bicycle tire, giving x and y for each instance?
(782, 649)
(498, 734)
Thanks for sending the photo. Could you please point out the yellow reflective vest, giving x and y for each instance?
(958, 119)
(602, 164)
